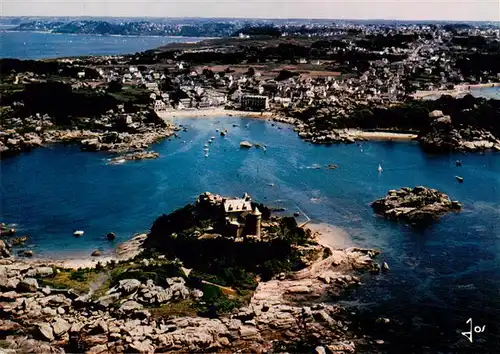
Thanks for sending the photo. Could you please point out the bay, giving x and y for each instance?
(41, 45)
(439, 277)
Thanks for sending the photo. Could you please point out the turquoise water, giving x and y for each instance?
(439, 277)
(36, 45)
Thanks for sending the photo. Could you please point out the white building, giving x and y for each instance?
(254, 102)
(160, 106)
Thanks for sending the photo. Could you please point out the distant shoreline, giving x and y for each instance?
(458, 90)
(105, 35)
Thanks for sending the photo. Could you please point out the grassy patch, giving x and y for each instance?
(78, 280)
(215, 303)
(175, 309)
(158, 272)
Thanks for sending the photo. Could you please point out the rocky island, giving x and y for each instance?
(418, 206)
(221, 274)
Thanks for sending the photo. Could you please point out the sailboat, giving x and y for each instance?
(379, 168)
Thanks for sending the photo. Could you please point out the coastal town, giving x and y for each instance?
(233, 273)
(360, 78)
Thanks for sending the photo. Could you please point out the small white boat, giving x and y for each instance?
(206, 145)
(213, 138)
(206, 149)
(210, 141)
(78, 233)
(380, 168)
(245, 144)
(206, 155)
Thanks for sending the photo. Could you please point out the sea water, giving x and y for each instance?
(42, 45)
(439, 278)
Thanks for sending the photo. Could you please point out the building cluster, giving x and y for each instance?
(427, 63)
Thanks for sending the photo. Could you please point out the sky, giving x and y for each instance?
(461, 10)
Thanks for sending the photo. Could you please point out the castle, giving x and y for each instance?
(239, 218)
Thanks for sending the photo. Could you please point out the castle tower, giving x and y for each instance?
(258, 216)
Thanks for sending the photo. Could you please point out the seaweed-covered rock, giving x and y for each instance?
(417, 206)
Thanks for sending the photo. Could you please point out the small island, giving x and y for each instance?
(221, 274)
(418, 206)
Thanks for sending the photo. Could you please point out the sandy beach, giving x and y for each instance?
(331, 236)
(357, 134)
(210, 113)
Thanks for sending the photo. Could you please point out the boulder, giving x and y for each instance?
(28, 285)
(44, 331)
(341, 347)
(107, 300)
(40, 271)
(299, 289)
(101, 327)
(90, 145)
(249, 332)
(143, 347)
(97, 339)
(319, 350)
(111, 236)
(4, 251)
(98, 349)
(60, 327)
(9, 296)
(130, 306)
(8, 327)
(436, 114)
(128, 286)
(96, 253)
(27, 254)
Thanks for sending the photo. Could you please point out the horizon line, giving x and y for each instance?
(253, 18)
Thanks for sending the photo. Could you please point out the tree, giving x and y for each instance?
(115, 86)
(250, 72)
(285, 75)
(209, 74)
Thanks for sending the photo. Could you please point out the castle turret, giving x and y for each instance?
(258, 216)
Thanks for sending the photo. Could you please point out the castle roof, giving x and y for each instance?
(233, 205)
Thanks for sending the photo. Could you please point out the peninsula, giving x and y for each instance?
(220, 274)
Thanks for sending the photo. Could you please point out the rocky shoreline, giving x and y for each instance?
(439, 137)
(442, 137)
(40, 319)
(133, 133)
(116, 133)
(144, 304)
